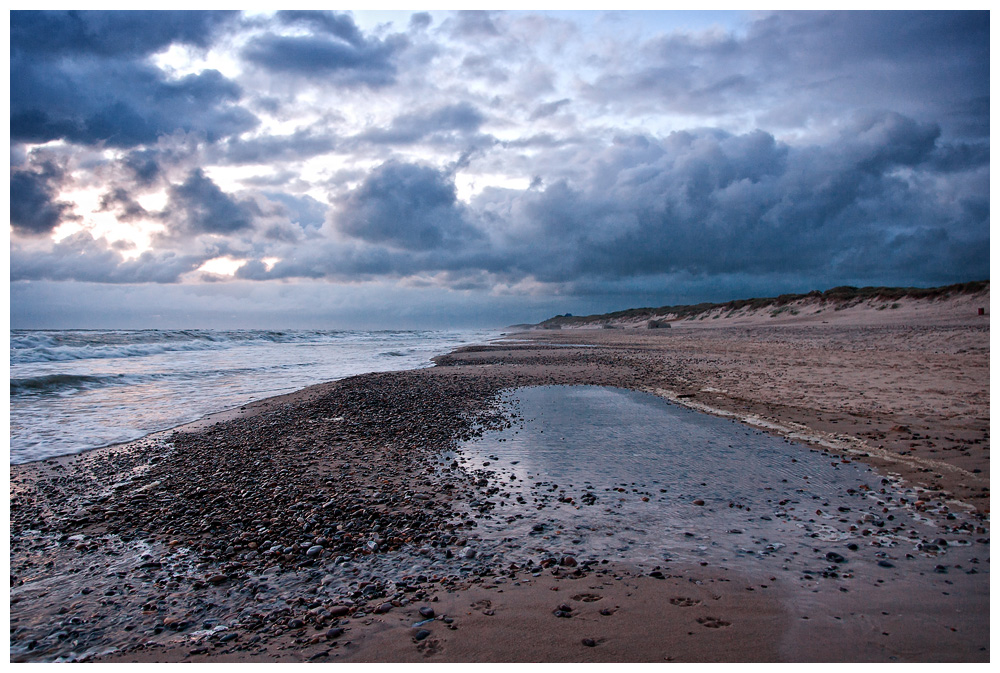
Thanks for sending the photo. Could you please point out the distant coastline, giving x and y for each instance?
(837, 299)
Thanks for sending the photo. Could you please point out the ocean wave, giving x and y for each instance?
(65, 346)
(58, 383)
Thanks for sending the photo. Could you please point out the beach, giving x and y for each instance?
(337, 524)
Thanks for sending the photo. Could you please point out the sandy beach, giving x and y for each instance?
(326, 526)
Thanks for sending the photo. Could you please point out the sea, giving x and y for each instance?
(74, 390)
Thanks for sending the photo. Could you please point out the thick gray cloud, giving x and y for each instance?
(338, 51)
(84, 77)
(34, 208)
(197, 205)
(406, 206)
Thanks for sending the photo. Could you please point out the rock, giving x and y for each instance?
(426, 612)
(834, 557)
(296, 624)
(467, 552)
(421, 634)
(339, 611)
(886, 564)
(383, 608)
(314, 551)
(699, 502)
(589, 642)
(568, 561)
(335, 632)
(218, 579)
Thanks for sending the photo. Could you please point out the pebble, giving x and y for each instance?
(427, 612)
(421, 634)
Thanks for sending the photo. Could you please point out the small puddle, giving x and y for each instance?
(606, 473)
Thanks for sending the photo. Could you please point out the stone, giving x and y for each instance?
(421, 634)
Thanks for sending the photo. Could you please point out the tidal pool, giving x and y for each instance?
(605, 473)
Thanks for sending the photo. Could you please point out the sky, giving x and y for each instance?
(397, 169)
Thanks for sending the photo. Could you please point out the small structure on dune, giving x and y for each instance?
(657, 324)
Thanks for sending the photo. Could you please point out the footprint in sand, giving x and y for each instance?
(712, 622)
(484, 606)
(587, 598)
(429, 647)
(684, 602)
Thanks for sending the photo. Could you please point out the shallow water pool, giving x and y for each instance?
(607, 473)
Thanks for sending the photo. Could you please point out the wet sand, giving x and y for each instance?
(314, 526)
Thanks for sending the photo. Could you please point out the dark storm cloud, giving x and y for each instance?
(696, 204)
(198, 206)
(338, 52)
(405, 206)
(462, 118)
(84, 77)
(34, 208)
(47, 34)
(119, 103)
(706, 202)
